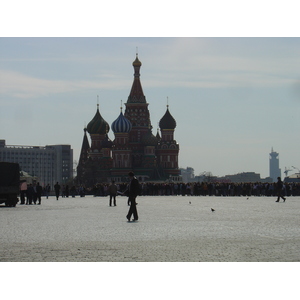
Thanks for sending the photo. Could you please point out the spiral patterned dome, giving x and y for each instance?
(167, 121)
(121, 124)
(98, 125)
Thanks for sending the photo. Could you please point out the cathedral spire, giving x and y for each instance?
(84, 148)
(136, 94)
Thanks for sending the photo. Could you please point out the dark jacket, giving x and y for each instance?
(57, 187)
(39, 190)
(133, 188)
(112, 189)
(279, 185)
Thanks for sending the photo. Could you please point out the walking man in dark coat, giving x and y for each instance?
(112, 190)
(29, 194)
(57, 190)
(279, 186)
(132, 192)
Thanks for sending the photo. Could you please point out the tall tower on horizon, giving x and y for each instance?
(275, 171)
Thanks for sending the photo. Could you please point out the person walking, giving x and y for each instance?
(29, 194)
(73, 191)
(47, 190)
(39, 191)
(23, 190)
(112, 191)
(279, 186)
(132, 192)
(57, 190)
(67, 191)
(34, 193)
(63, 192)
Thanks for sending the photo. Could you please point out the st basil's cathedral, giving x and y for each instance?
(135, 148)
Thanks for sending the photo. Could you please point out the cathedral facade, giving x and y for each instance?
(134, 148)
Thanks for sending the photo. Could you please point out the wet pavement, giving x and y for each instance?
(169, 229)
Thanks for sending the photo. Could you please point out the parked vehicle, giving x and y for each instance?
(9, 183)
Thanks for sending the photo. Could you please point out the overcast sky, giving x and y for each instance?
(233, 98)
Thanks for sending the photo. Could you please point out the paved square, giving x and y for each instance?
(170, 228)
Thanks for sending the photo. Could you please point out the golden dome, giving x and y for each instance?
(136, 63)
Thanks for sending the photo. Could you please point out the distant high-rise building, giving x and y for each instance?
(275, 171)
(49, 164)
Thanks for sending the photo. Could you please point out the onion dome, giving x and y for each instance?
(149, 139)
(167, 121)
(121, 124)
(136, 63)
(98, 125)
(107, 143)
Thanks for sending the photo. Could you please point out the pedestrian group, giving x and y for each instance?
(34, 191)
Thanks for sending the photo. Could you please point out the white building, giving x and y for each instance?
(275, 171)
(187, 174)
(50, 164)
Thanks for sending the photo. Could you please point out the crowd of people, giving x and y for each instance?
(203, 189)
(133, 188)
(31, 193)
(166, 189)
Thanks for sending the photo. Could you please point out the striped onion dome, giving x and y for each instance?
(121, 124)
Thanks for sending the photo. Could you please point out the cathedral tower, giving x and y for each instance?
(122, 153)
(83, 155)
(134, 148)
(168, 149)
(97, 128)
(137, 108)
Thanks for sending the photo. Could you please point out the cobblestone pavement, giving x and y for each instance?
(170, 229)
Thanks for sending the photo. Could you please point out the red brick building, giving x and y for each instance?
(134, 147)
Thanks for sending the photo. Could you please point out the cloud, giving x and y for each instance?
(167, 63)
(295, 90)
(218, 63)
(15, 84)
(222, 79)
